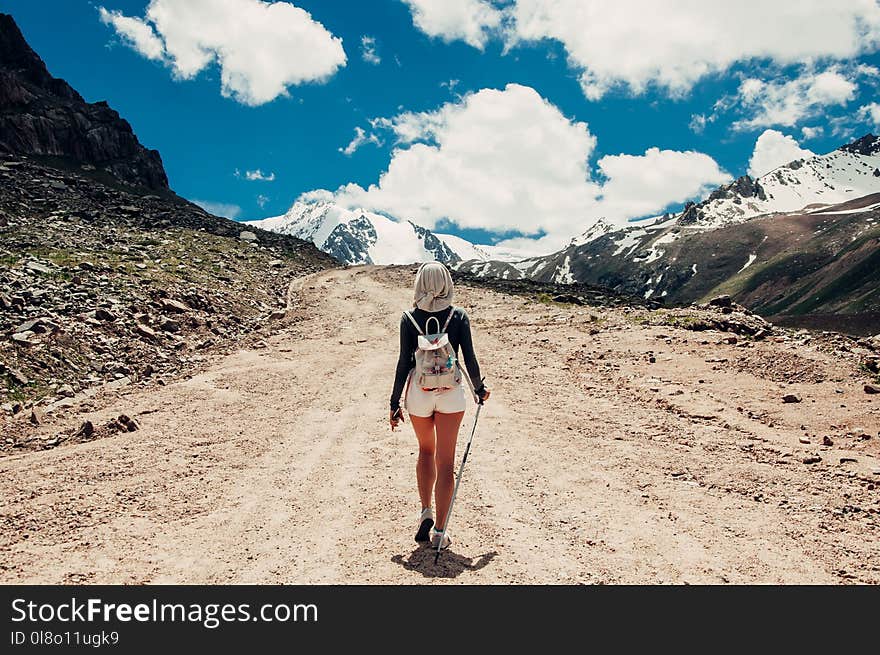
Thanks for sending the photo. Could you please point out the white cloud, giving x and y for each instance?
(256, 176)
(360, 138)
(468, 20)
(870, 112)
(508, 160)
(812, 132)
(227, 210)
(867, 70)
(638, 185)
(788, 102)
(262, 200)
(672, 44)
(772, 150)
(135, 33)
(261, 48)
(368, 50)
(698, 122)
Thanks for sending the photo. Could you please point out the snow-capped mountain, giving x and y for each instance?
(849, 172)
(816, 218)
(357, 236)
(362, 237)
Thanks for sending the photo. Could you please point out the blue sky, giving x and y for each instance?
(629, 98)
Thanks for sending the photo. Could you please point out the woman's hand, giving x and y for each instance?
(396, 416)
(484, 396)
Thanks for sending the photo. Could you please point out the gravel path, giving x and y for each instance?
(591, 463)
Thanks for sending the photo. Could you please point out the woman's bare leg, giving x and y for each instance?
(447, 433)
(426, 472)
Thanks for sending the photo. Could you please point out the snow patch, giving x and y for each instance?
(752, 258)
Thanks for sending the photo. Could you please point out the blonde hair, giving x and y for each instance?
(433, 287)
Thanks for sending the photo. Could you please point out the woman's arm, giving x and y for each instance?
(467, 352)
(405, 361)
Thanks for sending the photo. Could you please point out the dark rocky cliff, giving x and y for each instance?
(43, 116)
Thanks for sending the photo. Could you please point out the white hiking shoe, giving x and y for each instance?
(426, 522)
(435, 539)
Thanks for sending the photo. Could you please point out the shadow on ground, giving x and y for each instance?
(451, 564)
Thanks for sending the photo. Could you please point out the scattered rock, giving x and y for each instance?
(248, 236)
(721, 301)
(872, 388)
(791, 398)
(567, 298)
(174, 306)
(37, 417)
(145, 331)
(827, 441)
(32, 325)
(24, 338)
(118, 384)
(17, 376)
(804, 440)
(38, 268)
(277, 315)
(811, 459)
(85, 431)
(104, 315)
(128, 423)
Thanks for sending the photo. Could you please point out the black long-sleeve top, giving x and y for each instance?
(459, 332)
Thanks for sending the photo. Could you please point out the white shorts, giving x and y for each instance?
(419, 402)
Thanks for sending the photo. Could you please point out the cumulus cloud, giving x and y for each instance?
(812, 132)
(638, 185)
(360, 138)
(136, 33)
(368, 50)
(256, 176)
(870, 113)
(262, 200)
(678, 41)
(261, 48)
(773, 149)
(788, 102)
(471, 21)
(508, 160)
(227, 210)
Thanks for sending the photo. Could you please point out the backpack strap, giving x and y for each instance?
(448, 318)
(413, 321)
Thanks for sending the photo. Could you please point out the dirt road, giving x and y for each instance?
(591, 463)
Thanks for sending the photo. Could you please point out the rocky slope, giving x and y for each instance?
(773, 243)
(102, 284)
(42, 116)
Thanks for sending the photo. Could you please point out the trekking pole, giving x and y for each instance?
(457, 482)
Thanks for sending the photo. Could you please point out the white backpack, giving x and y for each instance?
(436, 364)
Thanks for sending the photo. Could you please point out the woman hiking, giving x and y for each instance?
(435, 411)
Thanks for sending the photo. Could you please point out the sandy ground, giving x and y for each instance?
(590, 465)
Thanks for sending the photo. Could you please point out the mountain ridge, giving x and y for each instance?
(43, 116)
(358, 236)
(737, 238)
